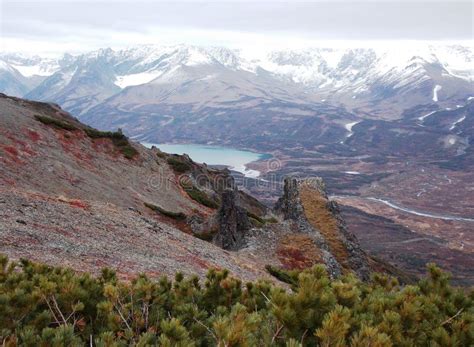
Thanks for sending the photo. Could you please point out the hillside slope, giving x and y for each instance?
(70, 199)
(73, 195)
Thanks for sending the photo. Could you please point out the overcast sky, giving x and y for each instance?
(75, 26)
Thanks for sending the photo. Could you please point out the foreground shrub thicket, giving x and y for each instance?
(46, 306)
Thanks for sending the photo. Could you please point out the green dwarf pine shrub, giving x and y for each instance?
(52, 306)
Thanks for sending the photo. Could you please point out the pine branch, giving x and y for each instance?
(453, 317)
(57, 308)
(123, 318)
(207, 328)
(51, 309)
(275, 336)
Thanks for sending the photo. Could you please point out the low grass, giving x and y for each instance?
(198, 195)
(298, 251)
(161, 154)
(178, 165)
(271, 220)
(206, 235)
(256, 222)
(98, 134)
(259, 221)
(319, 216)
(56, 123)
(128, 151)
(170, 214)
(118, 139)
(254, 216)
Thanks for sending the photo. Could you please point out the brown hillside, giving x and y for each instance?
(69, 197)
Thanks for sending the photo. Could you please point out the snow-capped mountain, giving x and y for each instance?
(146, 87)
(325, 71)
(334, 66)
(91, 78)
(35, 65)
(11, 81)
(383, 82)
(19, 73)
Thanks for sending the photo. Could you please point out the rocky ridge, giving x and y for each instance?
(311, 231)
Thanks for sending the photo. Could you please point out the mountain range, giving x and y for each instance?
(181, 90)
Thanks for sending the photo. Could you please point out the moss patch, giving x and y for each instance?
(271, 220)
(178, 165)
(253, 216)
(286, 276)
(56, 123)
(174, 215)
(259, 221)
(256, 222)
(161, 154)
(118, 139)
(198, 195)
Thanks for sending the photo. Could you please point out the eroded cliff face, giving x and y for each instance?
(305, 202)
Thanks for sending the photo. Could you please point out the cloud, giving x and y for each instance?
(85, 25)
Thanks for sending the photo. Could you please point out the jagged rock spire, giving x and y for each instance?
(306, 203)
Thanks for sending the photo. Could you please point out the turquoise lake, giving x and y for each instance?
(214, 155)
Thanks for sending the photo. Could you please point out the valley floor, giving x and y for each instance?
(395, 231)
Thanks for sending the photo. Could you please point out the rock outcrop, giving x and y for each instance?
(305, 202)
(233, 222)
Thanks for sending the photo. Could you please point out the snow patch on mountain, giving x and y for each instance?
(66, 77)
(457, 122)
(6, 67)
(136, 79)
(197, 57)
(36, 70)
(436, 89)
(422, 118)
(349, 127)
